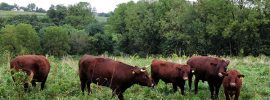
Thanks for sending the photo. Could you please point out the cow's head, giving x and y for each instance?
(142, 77)
(184, 71)
(233, 77)
(220, 66)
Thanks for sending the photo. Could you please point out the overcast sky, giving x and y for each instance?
(100, 5)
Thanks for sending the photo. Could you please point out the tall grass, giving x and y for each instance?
(63, 81)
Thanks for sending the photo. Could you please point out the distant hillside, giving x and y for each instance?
(13, 13)
(101, 18)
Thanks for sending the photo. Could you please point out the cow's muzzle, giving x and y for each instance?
(185, 78)
(233, 84)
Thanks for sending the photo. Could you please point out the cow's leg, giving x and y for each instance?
(190, 80)
(237, 93)
(155, 79)
(182, 87)
(196, 82)
(119, 93)
(26, 87)
(113, 93)
(226, 94)
(83, 83)
(211, 87)
(33, 83)
(88, 87)
(43, 83)
(174, 87)
(217, 87)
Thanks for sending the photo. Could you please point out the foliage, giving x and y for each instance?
(219, 27)
(80, 15)
(19, 39)
(55, 40)
(5, 6)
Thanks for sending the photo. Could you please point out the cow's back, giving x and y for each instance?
(163, 69)
(100, 70)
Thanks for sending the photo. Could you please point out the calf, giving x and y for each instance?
(170, 72)
(37, 68)
(232, 84)
(114, 74)
(208, 69)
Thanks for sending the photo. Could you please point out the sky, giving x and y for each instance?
(100, 5)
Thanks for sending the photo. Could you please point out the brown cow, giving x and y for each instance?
(208, 69)
(37, 68)
(170, 72)
(114, 74)
(232, 84)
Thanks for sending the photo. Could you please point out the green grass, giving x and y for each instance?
(63, 81)
(101, 18)
(14, 13)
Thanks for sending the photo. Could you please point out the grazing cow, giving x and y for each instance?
(114, 74)
(232, 84)
(37, 67)
(170, 72)
(208, 69)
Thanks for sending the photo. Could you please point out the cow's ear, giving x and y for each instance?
(240, 76)
(224, 73)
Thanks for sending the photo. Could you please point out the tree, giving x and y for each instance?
(94, 28)
(5, 6)
(20, 39)
(31, 7)
(55, 40)
(80, 15)
(57, 14)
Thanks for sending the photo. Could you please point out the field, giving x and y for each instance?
(13, 13)
(63, 81)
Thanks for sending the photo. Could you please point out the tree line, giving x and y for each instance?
(30, 7)
(219, 27)
(65, 30)
(146, 27)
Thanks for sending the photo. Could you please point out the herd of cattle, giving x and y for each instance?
(120, 76)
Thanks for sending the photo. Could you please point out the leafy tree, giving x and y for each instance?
(57, 14)
(55, 40)
(80, 15)
(103, 43)
(94, 28)
(5, 6)
(31, 7)
(20, 39)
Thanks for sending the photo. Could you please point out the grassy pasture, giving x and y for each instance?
(63, 81)
(14, 13)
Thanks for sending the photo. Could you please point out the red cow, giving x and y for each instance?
(232, 84)
(37, 68)
(170, 72)
(208, 69)
(114, 74)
